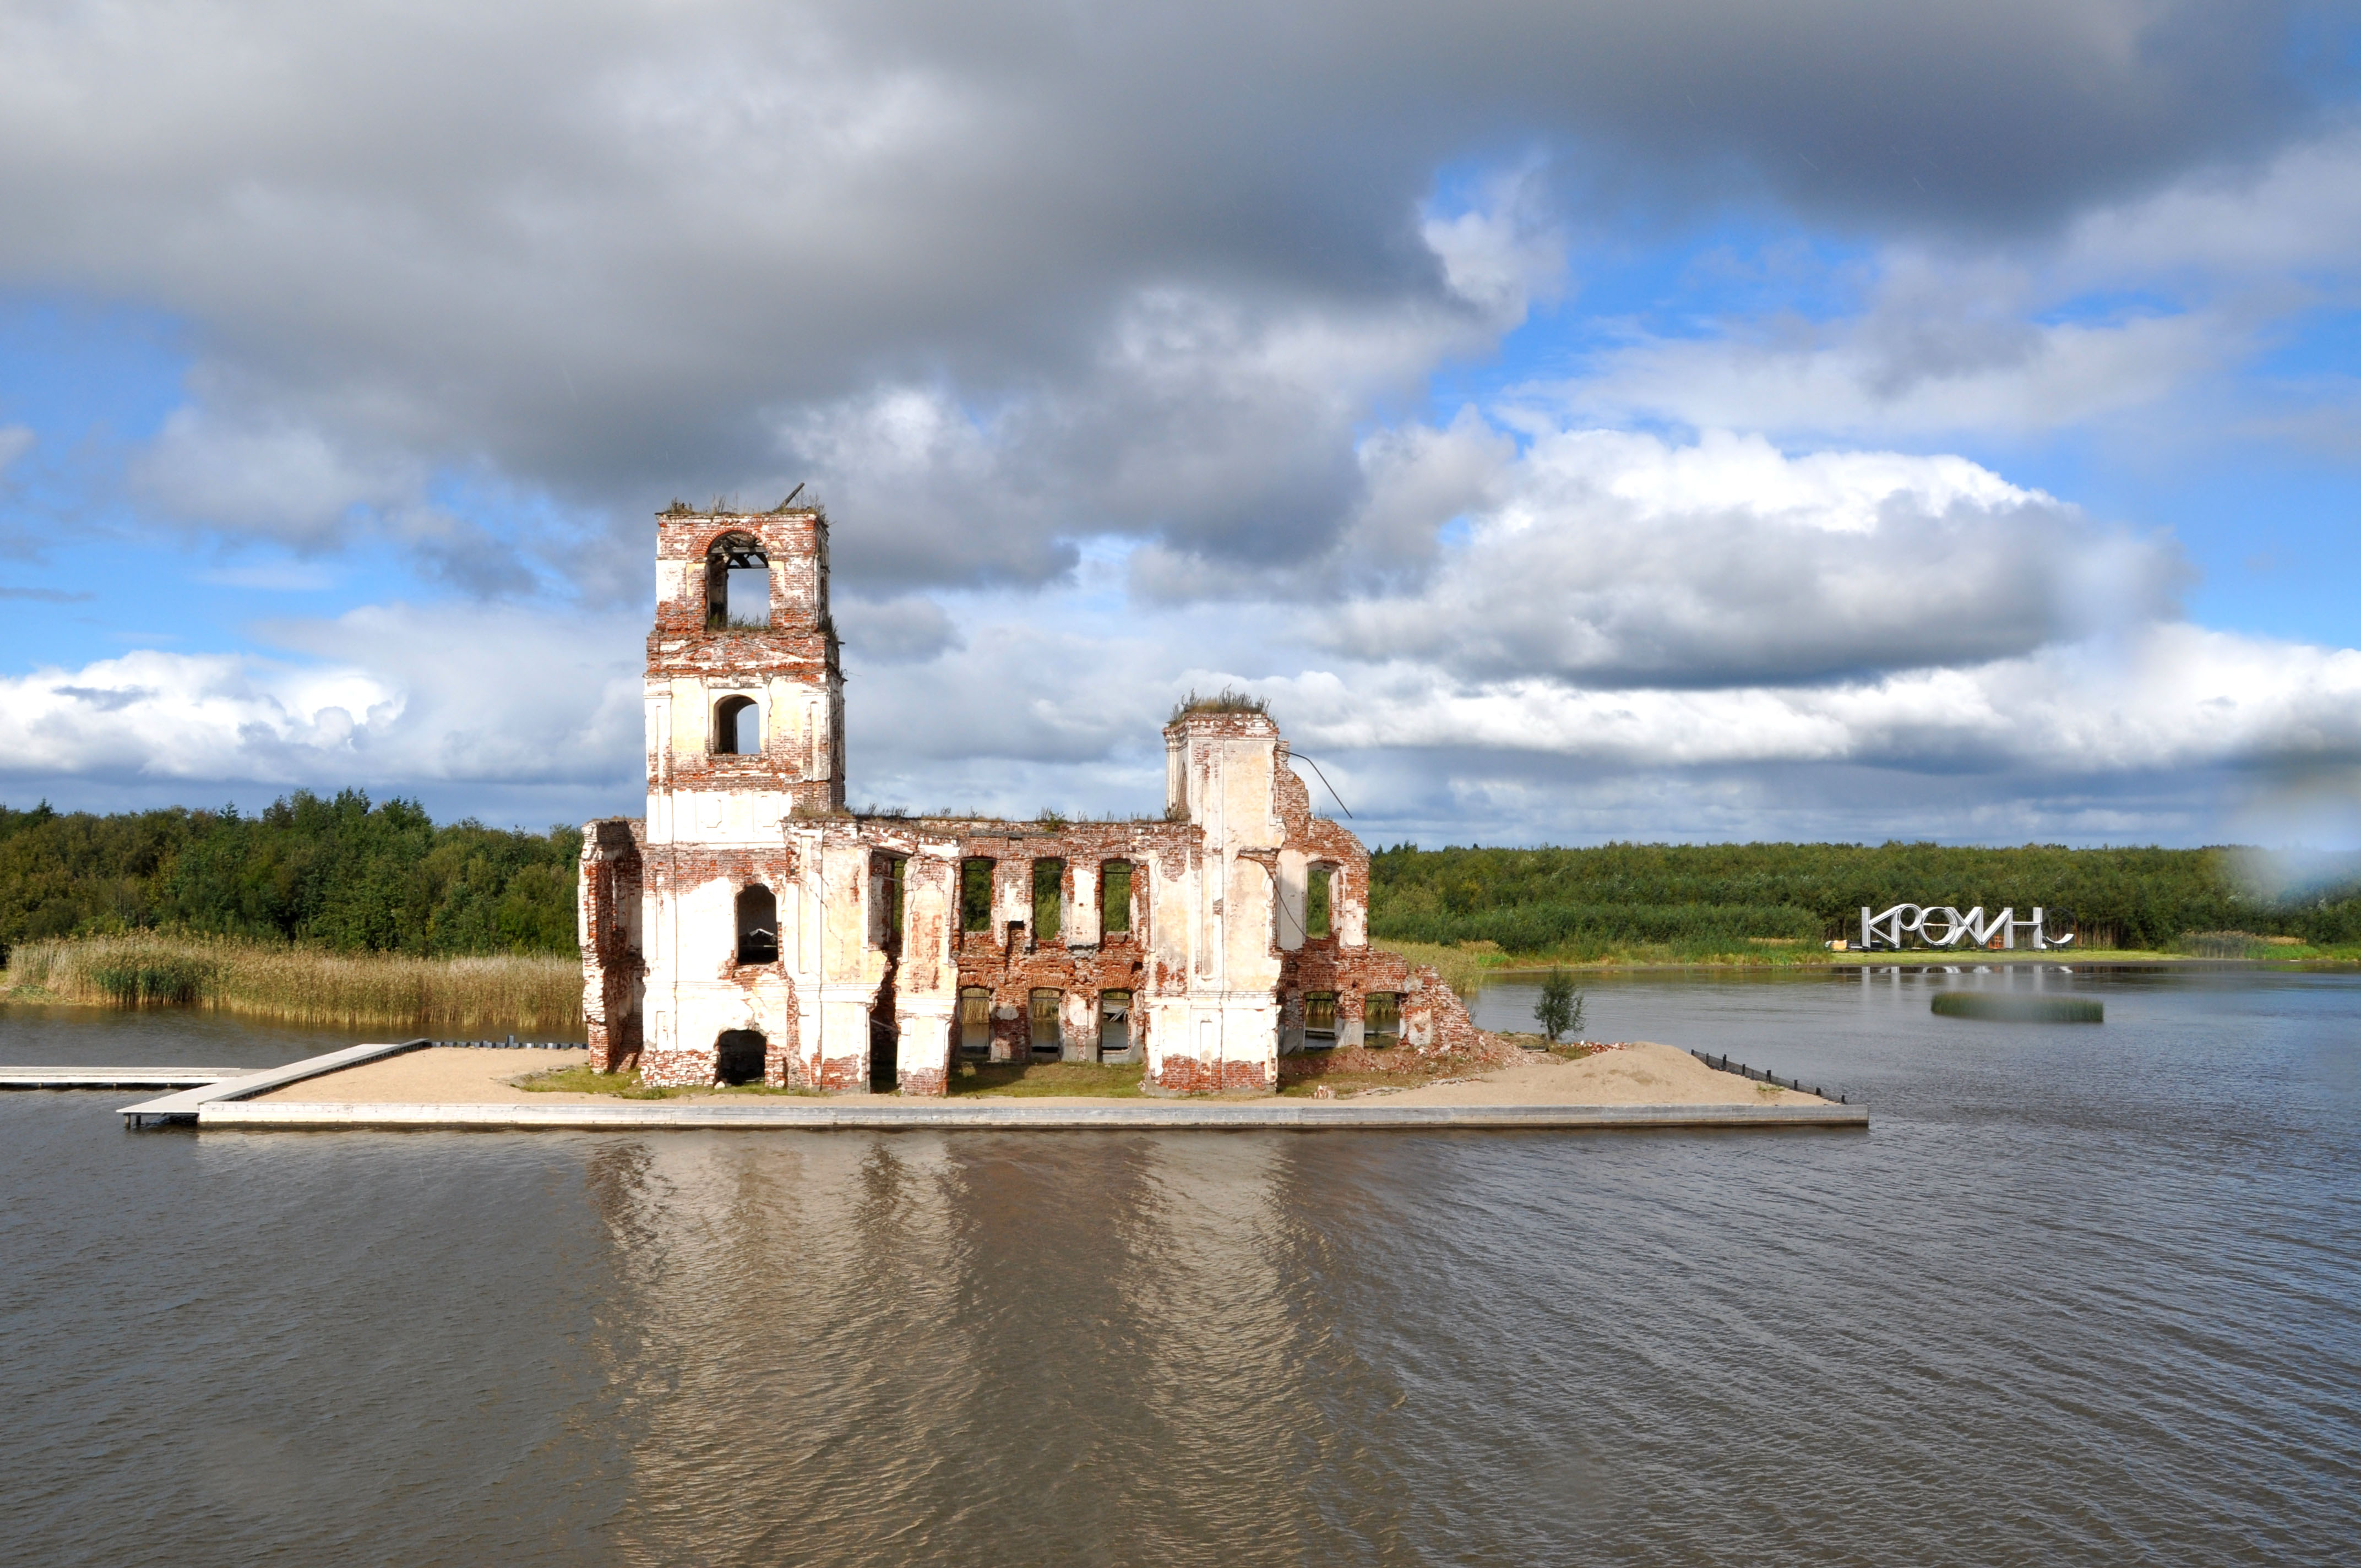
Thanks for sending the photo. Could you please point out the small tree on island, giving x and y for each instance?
(1559, 1012)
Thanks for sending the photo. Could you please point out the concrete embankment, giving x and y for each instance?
(414, 1084)
(876, 1113)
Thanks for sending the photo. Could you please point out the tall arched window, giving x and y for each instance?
(737, 726)
(758, 926)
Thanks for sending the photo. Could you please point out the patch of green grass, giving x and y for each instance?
(582, 1078)
(1027, 1079)
(626, 1085)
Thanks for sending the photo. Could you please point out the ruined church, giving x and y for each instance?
(750, 928)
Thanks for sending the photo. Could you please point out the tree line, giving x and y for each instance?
(350, 874)
(343, 874)
(1718, 897)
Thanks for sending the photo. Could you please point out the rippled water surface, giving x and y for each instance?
(2081, 1294)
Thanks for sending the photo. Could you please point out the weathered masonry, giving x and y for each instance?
(748, 927)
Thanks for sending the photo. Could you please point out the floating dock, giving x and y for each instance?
(116, 1076)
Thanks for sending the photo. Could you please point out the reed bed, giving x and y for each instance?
(536, 992)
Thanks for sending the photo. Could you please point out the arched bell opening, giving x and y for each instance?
(737, 584)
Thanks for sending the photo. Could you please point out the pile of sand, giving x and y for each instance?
(1640, 1073)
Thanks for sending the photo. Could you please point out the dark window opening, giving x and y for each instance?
(889, 874)
(975, 896)
(737, 584)
(1316, 901)
(1049, 900)
(1115, 898)
(758, 926)
(975, 1022)
(1381, 1020)
(1320, 1017)
(737, 1056)
(737, 726)
(1115, 1022)
(1048, 1035)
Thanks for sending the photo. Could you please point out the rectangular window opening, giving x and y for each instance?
(1316, 901)
(1115, 898)
(887, 879)
(975, 896)
(1049, 900)
(975, 1022)
(1319, 1018)
(1381, 1019)
(1115, 1022)
(1047, 1035)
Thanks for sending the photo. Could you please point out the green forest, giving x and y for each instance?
(347, 874)
(1721, 897)
(343, 875)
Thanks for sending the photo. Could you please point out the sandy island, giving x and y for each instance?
(1637, 1074)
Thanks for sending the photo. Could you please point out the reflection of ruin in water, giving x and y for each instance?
(865, 1339)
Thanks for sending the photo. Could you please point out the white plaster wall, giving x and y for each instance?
(1293, 898)
(1080, 914)
(1012, 891)
(1171, 916)
(1249, 919)
(687, 698)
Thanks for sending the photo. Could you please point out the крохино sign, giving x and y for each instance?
(1943, 927)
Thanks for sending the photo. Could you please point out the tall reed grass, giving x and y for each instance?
(540, 993)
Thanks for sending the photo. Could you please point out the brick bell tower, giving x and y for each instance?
(744, 697)
(745, 736)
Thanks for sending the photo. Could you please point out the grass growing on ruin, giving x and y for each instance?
(537, 993)
(582, 1078)
(1017, 1079)
(1461, 967)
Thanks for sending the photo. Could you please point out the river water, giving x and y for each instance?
(2081, 1294)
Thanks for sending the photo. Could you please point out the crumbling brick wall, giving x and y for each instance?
(607, 910)
(1012, 960)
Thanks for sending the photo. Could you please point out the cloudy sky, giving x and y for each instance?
(1697, 419)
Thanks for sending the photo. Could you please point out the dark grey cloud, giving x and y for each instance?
(1169, 258)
